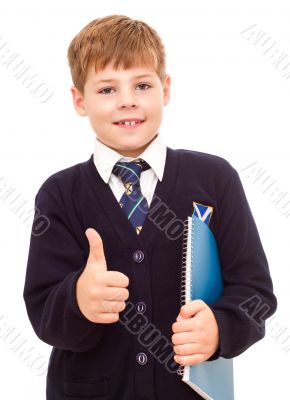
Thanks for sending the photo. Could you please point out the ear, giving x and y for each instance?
(166, 89)
(78, 101)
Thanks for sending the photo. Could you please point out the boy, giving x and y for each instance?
(103, 274)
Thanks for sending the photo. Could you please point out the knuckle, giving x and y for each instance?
(199, 358)
(199, 324)
(126, 294)
(107, 306)
(115, 317)
(125, 279)
(116, 295)
(174, 339)
(118, 306)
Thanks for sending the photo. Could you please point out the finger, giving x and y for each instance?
(182, 338)
(190, 360)
(116, 279)
(192, 308)
(96, 250)
(183, 326)
(113, 306)
(114, 293)
(187, 349)
(108, 318)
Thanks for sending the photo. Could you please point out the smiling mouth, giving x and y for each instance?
(129, 124)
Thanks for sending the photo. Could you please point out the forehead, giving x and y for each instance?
(110, 74)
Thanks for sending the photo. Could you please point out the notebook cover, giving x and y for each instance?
(202, 279)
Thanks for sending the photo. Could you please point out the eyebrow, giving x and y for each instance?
(115, 80)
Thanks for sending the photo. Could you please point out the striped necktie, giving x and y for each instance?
(133, 203)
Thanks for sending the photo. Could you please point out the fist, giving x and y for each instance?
(100, 293)
(196, 334)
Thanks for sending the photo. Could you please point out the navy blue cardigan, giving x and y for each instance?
(132, 358)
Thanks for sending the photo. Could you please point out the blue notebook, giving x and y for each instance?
(202, 279)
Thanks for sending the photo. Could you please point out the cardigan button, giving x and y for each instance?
(141, 358)
(140, 307)
(138, 256)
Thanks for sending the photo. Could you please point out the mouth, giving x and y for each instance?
(129, 123)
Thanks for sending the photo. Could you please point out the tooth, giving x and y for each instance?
(127, 123)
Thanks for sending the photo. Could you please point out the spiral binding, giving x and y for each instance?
(183, 263)
(185, 272)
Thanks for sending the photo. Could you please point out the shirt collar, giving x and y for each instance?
(105, 158)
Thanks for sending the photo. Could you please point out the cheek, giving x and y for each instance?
(157, 113)
(101, 113)
(154, 108)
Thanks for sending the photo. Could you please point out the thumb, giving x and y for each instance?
(192, 308)
(96, 252)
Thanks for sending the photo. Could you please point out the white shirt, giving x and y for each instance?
(155, 155)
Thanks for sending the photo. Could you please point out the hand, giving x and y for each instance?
(196, 335)
(100, 293)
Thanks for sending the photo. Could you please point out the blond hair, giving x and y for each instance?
(127, 42)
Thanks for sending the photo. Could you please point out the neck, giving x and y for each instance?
(134, 152)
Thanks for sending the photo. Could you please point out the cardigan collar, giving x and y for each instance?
(159, 206)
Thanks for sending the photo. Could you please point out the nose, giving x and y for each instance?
(127, 100)
(129, 105)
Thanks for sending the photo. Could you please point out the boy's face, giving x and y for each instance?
(127, 96)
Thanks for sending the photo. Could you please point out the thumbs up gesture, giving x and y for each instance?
(100, 293)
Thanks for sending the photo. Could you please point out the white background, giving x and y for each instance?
(227, 99)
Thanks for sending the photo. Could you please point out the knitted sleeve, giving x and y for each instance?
(248, 298)
(55, 261)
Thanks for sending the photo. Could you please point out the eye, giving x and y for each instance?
(144, 84)
(104, 91)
